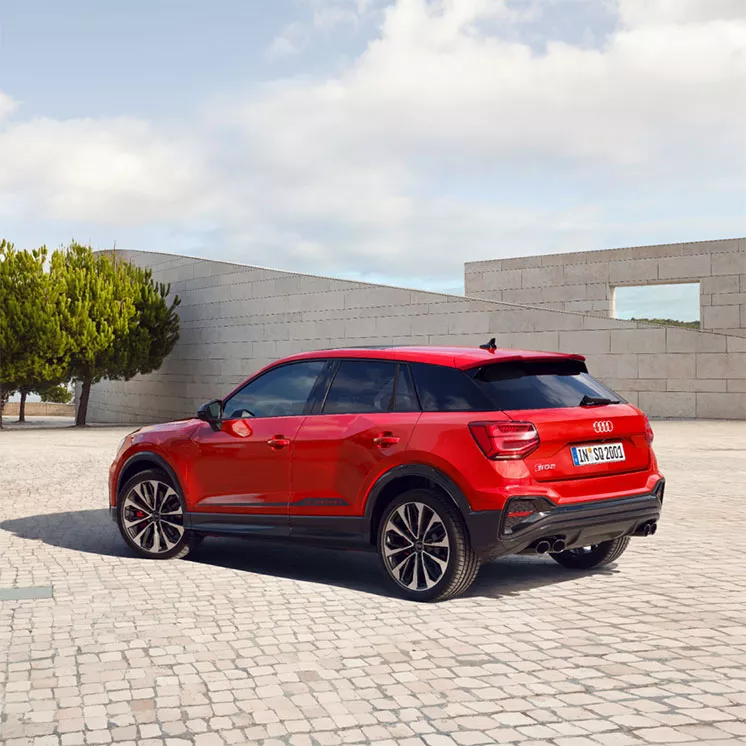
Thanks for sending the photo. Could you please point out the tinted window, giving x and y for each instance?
(279, 392)
(539, 384)
(406, 400)
(443, 389)
(361, 386)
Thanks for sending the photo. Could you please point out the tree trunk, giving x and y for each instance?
(22, 407)
(85, 392)
(2, 404)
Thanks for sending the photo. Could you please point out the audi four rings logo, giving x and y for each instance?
(603, 426)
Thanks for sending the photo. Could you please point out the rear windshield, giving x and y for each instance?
(539, 384)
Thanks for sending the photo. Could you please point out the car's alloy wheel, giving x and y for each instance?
(150, 514)
(416, 547)
(153, 517)
(424, 547)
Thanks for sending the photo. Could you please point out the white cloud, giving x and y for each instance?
(325, 18)
(448, 139)
(7, 106)
(292, 40)
(663, 12)
(99, 170)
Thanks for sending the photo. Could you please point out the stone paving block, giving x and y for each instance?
(247, 643)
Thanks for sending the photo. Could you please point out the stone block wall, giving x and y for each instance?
(39, 409)
(585, 281)
(236, 319)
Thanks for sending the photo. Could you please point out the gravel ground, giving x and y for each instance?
(249, 643)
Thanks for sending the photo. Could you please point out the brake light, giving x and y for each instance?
(505, 440)
(649, 435)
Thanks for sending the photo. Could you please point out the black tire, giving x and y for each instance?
(598, 555)
(136, 524)
(461, 562)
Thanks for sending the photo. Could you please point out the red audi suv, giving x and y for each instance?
(437, 458)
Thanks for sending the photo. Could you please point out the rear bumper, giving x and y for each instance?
(581, 524)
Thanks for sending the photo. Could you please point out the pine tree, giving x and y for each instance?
(153, 329)
(34, 346)
(55, 394)
(100, 311)
(119, 320)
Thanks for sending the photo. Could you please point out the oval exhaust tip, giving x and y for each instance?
(542, 547)
(558, 546)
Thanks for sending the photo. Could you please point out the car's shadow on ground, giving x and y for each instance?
(82, 530)
(92, 531)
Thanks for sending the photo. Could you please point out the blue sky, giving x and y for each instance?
(387, 141)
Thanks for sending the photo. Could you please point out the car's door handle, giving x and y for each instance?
(384, 440)
(279, 441)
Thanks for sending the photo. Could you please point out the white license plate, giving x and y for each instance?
(602, 453)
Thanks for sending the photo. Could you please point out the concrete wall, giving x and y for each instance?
(585, 281)
(235, 319)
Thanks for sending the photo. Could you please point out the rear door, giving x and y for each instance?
(361, 428)
(576, 441)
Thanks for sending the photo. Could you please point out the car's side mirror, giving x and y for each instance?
(212, 413)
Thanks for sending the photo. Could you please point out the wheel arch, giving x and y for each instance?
(403, 478)
(142, 461)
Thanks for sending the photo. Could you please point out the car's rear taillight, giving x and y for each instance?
(648, 431)
(505, 440)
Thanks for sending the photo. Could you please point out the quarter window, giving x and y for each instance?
(445, 389)
(279, 392)
(406, 399)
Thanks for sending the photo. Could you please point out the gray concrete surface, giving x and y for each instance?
(235, 319)
(257, 644)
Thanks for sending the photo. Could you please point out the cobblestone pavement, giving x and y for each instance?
(257, 644)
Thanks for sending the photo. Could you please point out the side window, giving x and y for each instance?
(444, 389)
(361, 386)
(279, 392)
(406, 400)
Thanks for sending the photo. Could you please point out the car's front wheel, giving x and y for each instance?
(150, 514)
(424, 547)
(596, 555)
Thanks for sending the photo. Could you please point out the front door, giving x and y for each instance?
(244, 468)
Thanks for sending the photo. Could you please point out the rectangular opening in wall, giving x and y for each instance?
(673, 305)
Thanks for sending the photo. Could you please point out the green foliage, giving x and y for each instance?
(34, 344)
(89, 317)
(5, 394)
(153, 329)
(55, 394)
(670, 322)
(100, 309)
(119, 320)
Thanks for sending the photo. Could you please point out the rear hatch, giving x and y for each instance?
(585, 429)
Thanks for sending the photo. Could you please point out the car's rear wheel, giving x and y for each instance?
(150, 515)
(424, 547)
(595, 555)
